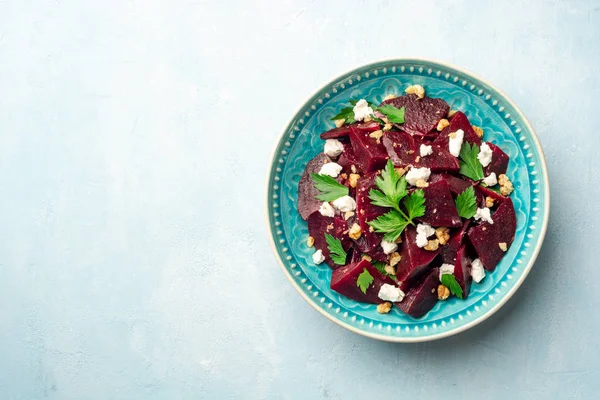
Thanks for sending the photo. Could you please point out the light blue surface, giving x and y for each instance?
(134, 143)
(486, 108)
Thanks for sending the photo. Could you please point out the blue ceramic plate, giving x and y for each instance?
(486, 107)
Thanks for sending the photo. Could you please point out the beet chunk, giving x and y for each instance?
(499, 162)
(462, 270)
(370, 154)
(414, 262)
(345, 130)
(458, 121)
(367, 211)
(422, 297)
(421, 116)
(439, 161)
(343, 281)
(400, 147)
(348, 159)
(457, 236)
(456, 185)
(318, 225)
(440, 209)
(486, 237)
(485, 192)
(307, 203)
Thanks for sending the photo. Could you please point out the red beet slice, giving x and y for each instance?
(307, 203)
(318, 225)
(421, 116)
(348, 159)
(462, 270)
(440, 209)
(439, 161)
(485, 191)
(456, 185)
(400, 147)
(422, 297)
(344, 130)
(367, 211)
(370, 155)
(499, 162)
(458, 121)
(363, 244)
(343, 281)
(450, 249)
(486, 237)
(414, 262)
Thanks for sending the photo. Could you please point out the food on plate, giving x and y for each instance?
(408, 203)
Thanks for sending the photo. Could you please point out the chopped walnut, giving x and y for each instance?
(370, 228)
(442, 124)
(362, 212)
(395, 258)
(367, 258)
(506, 186)
(400, 171)
(417, 159)
(344, 175)
(452, 135)
(355, 232)
(478, 131)
(442, 234)
(489, 202)
(348, 214)
(421, 183)
(353, 168)
(388, 127)
(339, 122)
(399, 240)
(443, 292)
(376, 135)
(368, 118)
(411, 152)
(432, 245)
(416, 89)
(451, 113)
(384, 308)
(353, 180)
(390, 269)
(310, 242)
(329, 227)
(389, 97)
(503, 246)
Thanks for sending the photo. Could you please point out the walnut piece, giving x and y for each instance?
(348, 214)
(489, 202)
(390, 269)
(451, 113)
(353, 168)
(368, 119)
(421, 183)
(388, 127)
(395, 259)
(366, 257)
(417, 159)
(389, 97)
(506, 186)
(442, 234)
(353, 180)
(384, 308)
(503, 246)
(310, 242)
(416, 89)
(339, 122)
(443, 292)
(355, 232)
(432, 245)
(478, 131)
(442, 124)
(376, 135)
(400, 171)
(452, 135)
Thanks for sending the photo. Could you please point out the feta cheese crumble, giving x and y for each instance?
(345, 204)
(333, 147)
(425, 150)
(318, 257)
(455, 141)
(484, 215)
(491, 179)
(331, 169)
(446, 269)
(477, 271)
(485, 154)
(361, 110)
(415, 174)
(326, 210)
(388, 247)
(391, 293)
(424, 231)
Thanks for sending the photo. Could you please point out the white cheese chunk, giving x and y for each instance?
(331, 169)
(424, 231)
(333, 147)
(361, 110)
(345, 204)
(446, 269)
(425, 150)
(485, 154)
(455, 143)
(414, 174)
(388, 247)
(484, 215)
(391, 293)
(326, 210)
(477, 270)
(318, 257)
(491, 179)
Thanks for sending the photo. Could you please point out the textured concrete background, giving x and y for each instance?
(134, 144)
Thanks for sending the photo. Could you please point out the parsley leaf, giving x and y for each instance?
(347, 114)
(466, 203)
(469, 164)
(381, 268)
(450, 282)
(393, 188)
(415, 204)
(364, 280)
(393, 114)
(330, 188)
(391, 224)
(336, 251)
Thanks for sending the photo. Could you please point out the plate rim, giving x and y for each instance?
(509, 294)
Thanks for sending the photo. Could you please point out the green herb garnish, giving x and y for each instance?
(381, 268)
(347, 114)
(466, 203)
(364, 280)
(336, 250)
(450, 282)
(330, 188)
(393, 114)
(469, 164)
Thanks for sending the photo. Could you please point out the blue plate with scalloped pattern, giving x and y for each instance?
(487, 107)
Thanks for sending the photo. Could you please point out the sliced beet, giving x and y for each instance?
(307, 203)
(462, 270)
(348, 159)
(422, 297)
(499, 162)
(486, 237)
(318, 225)
(345, 130)
(457, 237)
(401, 148)
(370, 154)
(421, 116)
(458, 121)
(364, 245)
(440, 209)
(456, 184)
(415, 260)
(343, 281)
(485, 192)
(367, 211)
(439, 161)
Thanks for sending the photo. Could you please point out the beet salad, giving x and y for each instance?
(407, 203)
